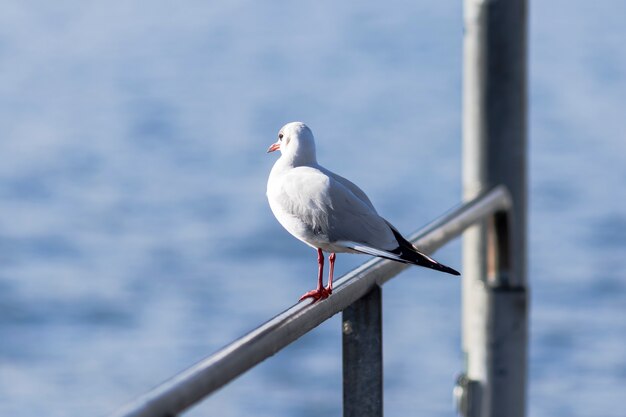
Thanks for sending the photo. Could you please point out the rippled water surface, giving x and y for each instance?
(135, 237)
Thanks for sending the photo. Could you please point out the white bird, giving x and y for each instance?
(328, 212)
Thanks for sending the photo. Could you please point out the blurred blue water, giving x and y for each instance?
(135, 237)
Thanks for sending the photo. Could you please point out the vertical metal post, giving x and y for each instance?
(495, 313)
(363, 356)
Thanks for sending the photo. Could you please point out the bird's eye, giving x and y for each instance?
(280, 136)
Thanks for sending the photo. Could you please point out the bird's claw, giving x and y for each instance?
(317, 294)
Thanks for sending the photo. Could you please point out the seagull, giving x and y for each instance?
(330, 213)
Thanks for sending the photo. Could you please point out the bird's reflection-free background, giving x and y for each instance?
(135, 237)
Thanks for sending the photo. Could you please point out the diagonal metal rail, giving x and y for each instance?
(197, 382)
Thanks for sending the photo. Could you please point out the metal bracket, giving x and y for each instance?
(466, 395)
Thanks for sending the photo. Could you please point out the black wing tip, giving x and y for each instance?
(417, 258)
(452, 271)
(443, 268)
(410, 254)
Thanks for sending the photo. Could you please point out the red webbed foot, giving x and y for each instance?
(317, 294)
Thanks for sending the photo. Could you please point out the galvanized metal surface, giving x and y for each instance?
(190, 386)
(362, 330)
(495, 313)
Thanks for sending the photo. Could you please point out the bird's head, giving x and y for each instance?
(295, 142)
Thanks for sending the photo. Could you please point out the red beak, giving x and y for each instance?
(274, 147)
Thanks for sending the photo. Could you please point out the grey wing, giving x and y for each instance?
(352, 187)
(352, 218)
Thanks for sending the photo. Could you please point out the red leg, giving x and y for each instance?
(329, 287)
(320, 292)
(320, 269)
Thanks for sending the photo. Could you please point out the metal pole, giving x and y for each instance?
(363, 356)
(495, 314)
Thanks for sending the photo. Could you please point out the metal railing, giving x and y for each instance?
(357, 294)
